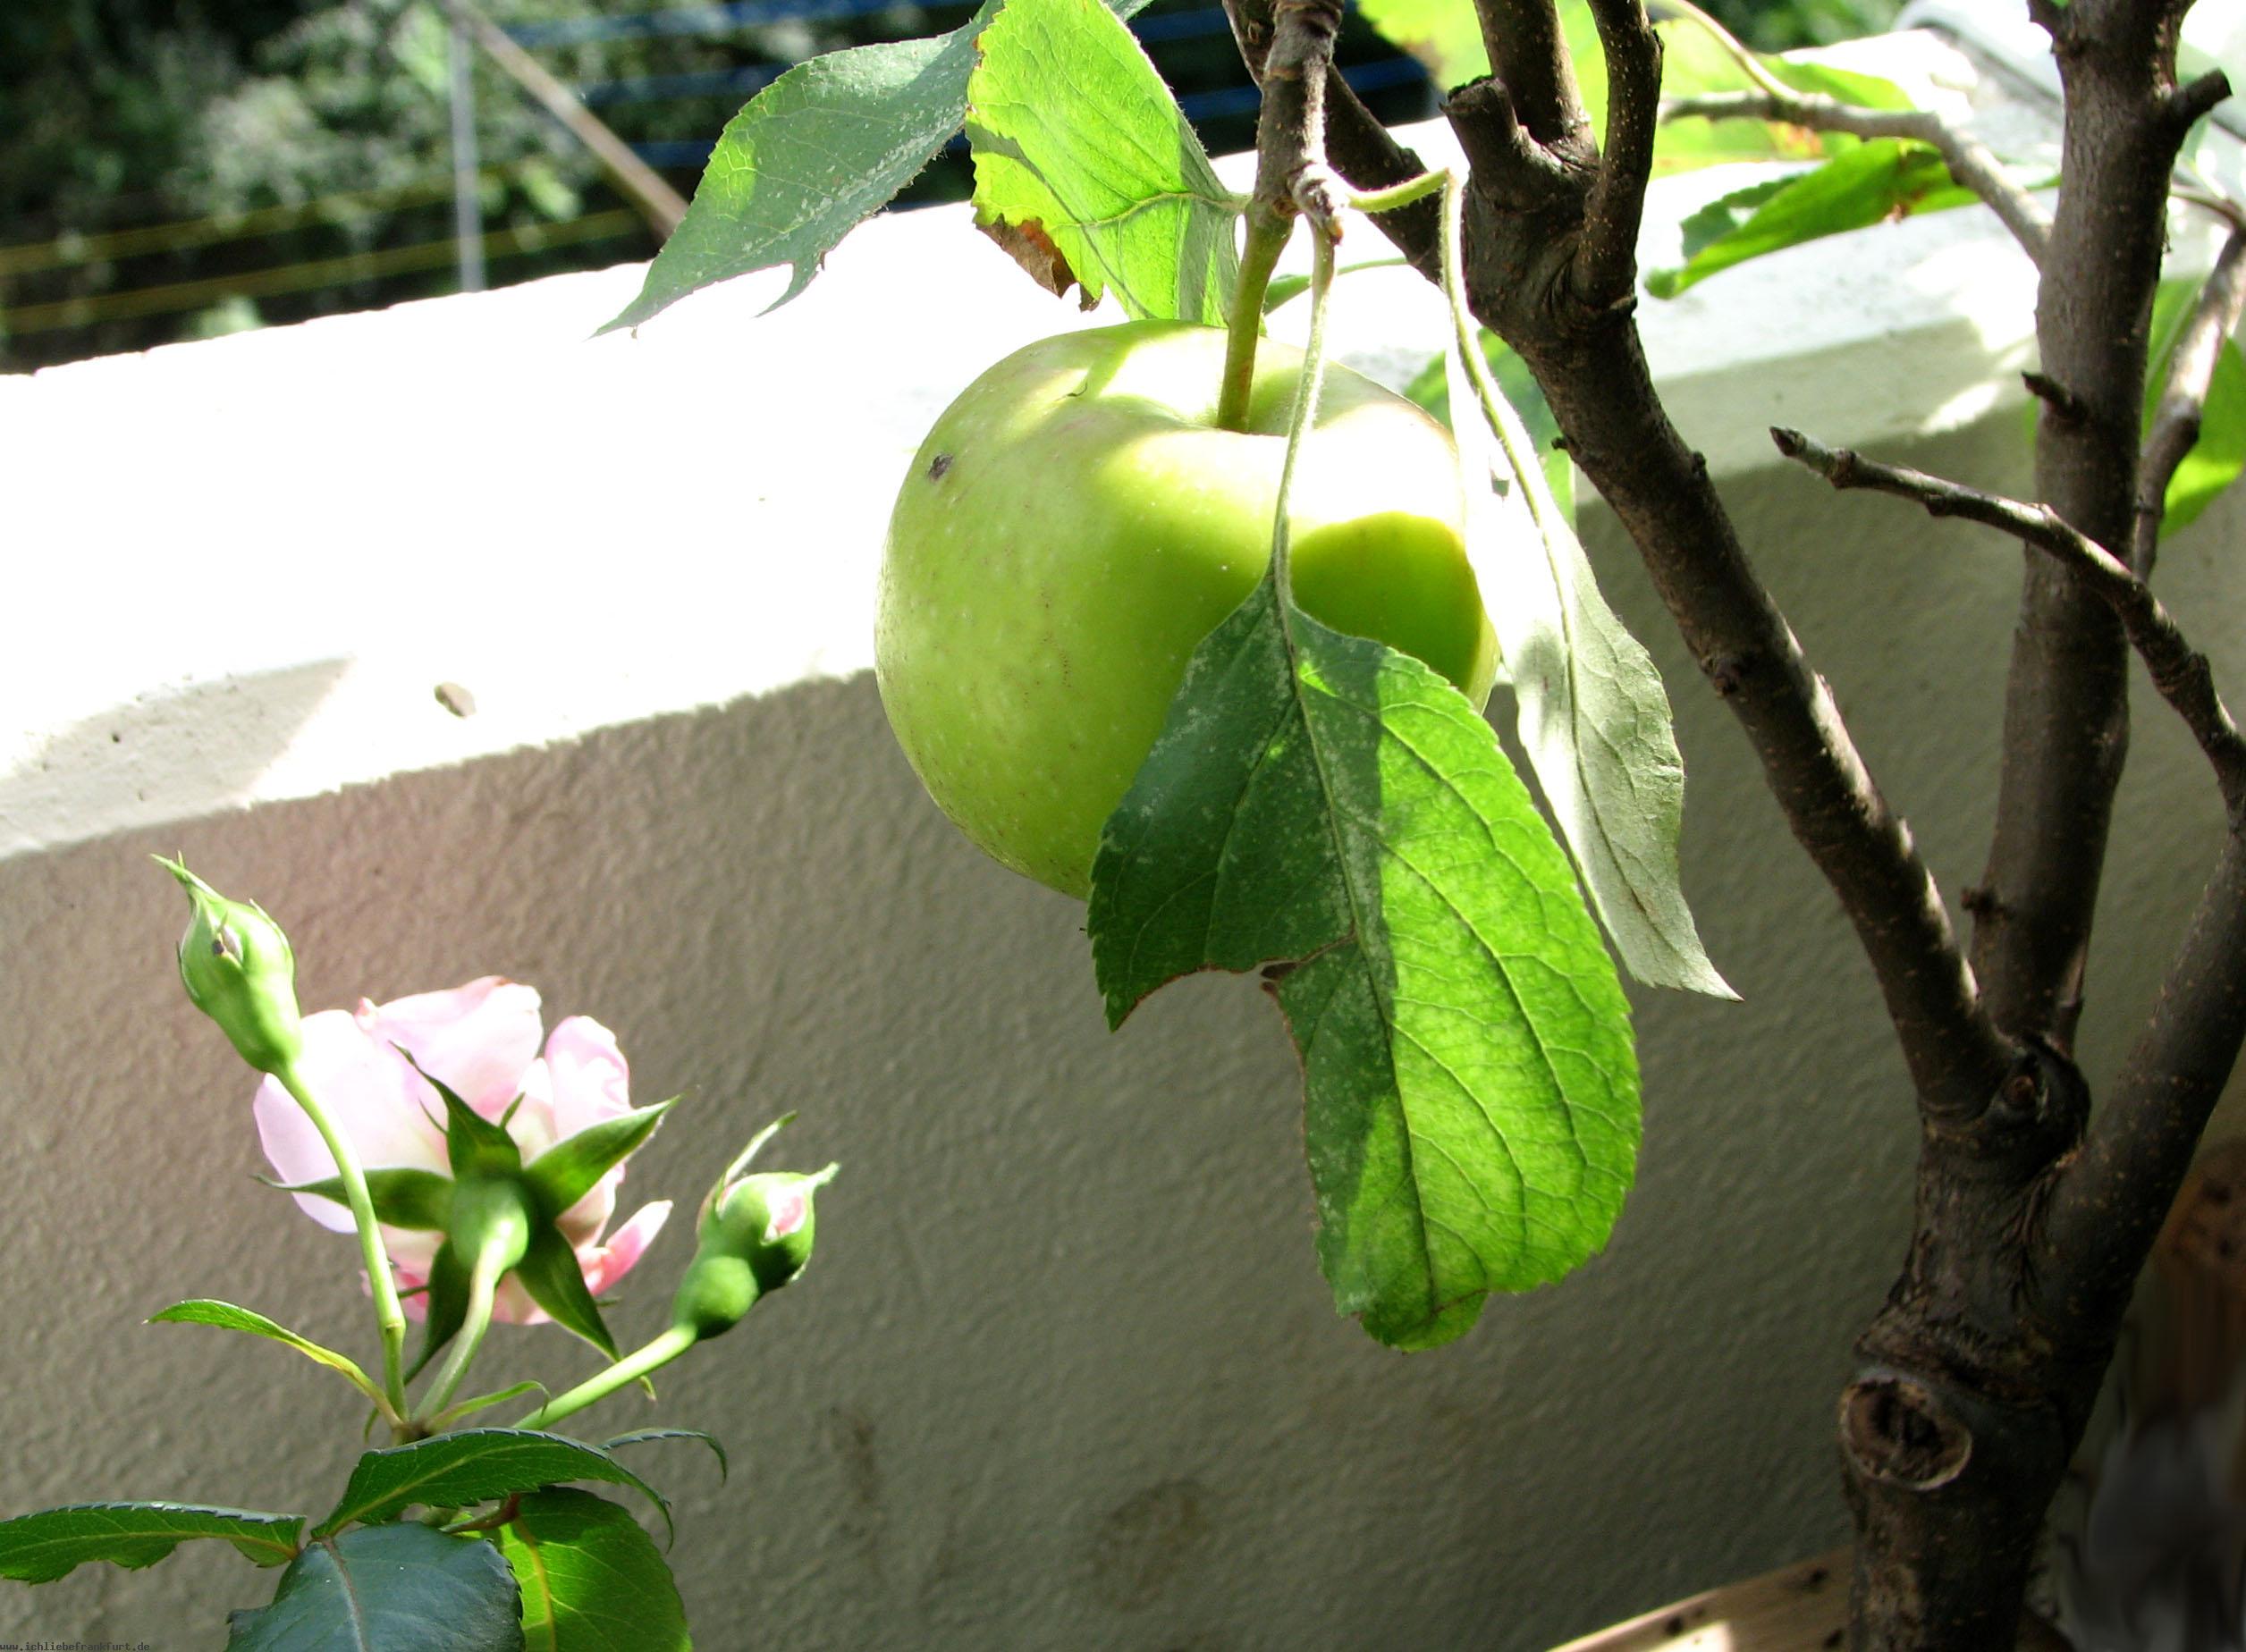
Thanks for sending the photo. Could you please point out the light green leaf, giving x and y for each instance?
(1727, 212)
(1446, 36)
(1081, 152)
(38, 1548)
(1887, 178)
(474, 1465)
(821, 149)
(1592, 712)
(1431, 391)
(1471, 1091)
(2218, 457)
(389, 1588)
(227, 1317)
(591, 1581)
(1695, 63)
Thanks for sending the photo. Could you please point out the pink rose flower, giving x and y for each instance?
(481, 1040)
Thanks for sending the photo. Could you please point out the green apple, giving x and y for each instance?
(1076, 523)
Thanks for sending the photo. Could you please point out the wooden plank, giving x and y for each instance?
(1802, 1607)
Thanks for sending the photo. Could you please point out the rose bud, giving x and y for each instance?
(754, 1236)
(239, 970)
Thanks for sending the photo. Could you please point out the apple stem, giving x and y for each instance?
(1321, 270)
(1268, 227)
(1505, 424)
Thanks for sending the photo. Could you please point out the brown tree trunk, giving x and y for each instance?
(2033, 1216)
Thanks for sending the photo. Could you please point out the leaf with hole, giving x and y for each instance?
(1323, 804)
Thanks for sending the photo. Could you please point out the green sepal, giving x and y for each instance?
(202, 1311)
(473, 1144)
(420, 1200)
(549, 1270)
(446, 1299)
(569, 1170)
(40, 1548)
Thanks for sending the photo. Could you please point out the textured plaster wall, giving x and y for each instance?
(1063, 1374)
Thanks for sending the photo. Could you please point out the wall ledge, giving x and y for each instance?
(250, 562)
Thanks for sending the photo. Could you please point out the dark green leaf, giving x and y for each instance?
(1471, 1088)
(474, 1465)
(591, 1581)
(1593, 716)
(550, 1271)
(389, 1588)
(1874, 182)
(566, 1172)
(227, 1317)
(1431, 391)
(2216, 457)
(640, 1437)
(38, 1549)
(1081, 152)
(401, 1198)
(824, 146)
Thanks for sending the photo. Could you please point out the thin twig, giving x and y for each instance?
(2175, 422)
(1749, 62)
(1528, 235)
(1528, 56)
(2179, 670)
(1970, 161)
(1605, 268)
(1293, 57)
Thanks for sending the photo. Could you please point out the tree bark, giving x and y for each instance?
(2032, 1215)
(1975, 1380)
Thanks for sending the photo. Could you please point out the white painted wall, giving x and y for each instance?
(1063, 1374)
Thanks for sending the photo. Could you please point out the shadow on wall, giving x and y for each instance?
(169, 754)
(1063, 1373)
